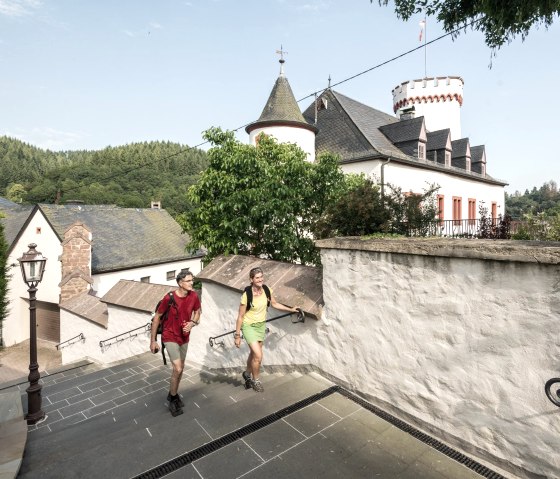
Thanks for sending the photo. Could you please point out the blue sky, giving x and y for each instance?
(79, 74)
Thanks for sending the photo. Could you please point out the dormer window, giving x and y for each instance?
(468, 164)
(421, 151)
(483, 169)
(447, 158)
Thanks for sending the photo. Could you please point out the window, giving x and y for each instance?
(38, 230)
(421, 151)
(440, 203)
(185, 270)
(472, 211)
(145, 279)
(457, 208)
(170, 275)
(494, 212)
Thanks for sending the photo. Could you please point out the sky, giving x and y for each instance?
(87, 74)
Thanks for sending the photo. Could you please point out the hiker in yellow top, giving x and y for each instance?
(251, 320)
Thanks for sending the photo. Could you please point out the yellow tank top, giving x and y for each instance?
(257, 313)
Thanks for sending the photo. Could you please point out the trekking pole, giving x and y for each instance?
(300, 319)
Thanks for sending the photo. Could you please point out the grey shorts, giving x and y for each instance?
(177, 352)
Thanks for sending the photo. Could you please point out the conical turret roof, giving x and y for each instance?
(281, 108)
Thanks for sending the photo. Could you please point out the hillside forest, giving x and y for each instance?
(134, 175)
(129, 176)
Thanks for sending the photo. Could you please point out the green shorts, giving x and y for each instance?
(176, 351)
(253, 332)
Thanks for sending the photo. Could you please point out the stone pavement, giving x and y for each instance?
(114, 422)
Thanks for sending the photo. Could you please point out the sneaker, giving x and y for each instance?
(179, 400)
(257, 386)
(247, 379)
(174, 408)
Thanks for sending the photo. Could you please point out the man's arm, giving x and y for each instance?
(154, 347)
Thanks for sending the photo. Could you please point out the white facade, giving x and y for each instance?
(156, 273)
(437, 99)
(302, 137)
(418, 180)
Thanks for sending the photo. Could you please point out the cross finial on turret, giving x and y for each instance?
(281, 52)
(329, 81)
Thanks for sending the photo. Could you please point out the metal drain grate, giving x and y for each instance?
(430, 441)
(200, 452)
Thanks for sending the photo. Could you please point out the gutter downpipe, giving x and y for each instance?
(383, 180)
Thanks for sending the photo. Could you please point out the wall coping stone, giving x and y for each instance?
(545, 252)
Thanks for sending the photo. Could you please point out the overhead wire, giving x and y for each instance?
(313, 94)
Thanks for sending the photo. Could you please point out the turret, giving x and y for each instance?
(437, 99)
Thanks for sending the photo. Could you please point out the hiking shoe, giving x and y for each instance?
(257, 386)
(174, 408)
(247, 379)
(170, 398)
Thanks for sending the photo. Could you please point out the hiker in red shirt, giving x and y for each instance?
(183, 313)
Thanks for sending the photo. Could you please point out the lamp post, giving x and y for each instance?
(32, 266)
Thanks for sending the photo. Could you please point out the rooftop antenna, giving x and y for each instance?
(281, 52)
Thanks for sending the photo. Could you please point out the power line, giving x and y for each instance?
(379, 65)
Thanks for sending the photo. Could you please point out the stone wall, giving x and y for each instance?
(75, 261)
(456, 337)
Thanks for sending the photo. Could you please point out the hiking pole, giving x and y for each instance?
(300, 319)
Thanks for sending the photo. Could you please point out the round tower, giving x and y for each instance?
(281, 118)
(437, 99)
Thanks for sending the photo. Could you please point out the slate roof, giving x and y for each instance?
(14, 220)
(459, 148)
(403, 130)
(292, 284)
(350, 128)
(437, 140)
(136, 295)
(281, 107)
(6, 203)
(123, 238)
(477, 154)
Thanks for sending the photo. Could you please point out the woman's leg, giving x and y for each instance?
(255, 359)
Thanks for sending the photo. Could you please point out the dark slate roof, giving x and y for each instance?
(404, 130)
(478, 154)
(459, 147)
(350, 128)
(438, 140)
(4, 202)
(123, 238)
(14, 220)
(292, 284)
(281, 107)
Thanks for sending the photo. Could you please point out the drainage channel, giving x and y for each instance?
(198, 453)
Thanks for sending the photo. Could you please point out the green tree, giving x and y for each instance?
(16, 192)
(261, 201)
(500, 21)
(3, 279)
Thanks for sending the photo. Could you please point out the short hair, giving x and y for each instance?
(254, 272)
(182, 275)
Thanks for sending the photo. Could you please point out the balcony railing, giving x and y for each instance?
(494, 228)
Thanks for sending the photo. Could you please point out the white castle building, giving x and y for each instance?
(422, 146)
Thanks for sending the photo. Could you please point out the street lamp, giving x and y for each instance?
(32, 266)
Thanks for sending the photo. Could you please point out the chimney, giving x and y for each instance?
(407, 113)
(76, 261)
(156, 205)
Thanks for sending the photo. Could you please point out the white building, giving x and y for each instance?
(422, 147)
(89, 248)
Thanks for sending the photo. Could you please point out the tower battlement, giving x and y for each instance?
(437, 99)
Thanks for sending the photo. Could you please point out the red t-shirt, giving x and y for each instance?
(179, 314)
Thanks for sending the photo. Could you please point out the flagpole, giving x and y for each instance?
(425, 49)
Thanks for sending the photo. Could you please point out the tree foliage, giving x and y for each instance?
(500, 21)
(363, 210)
(545, 199)
(262, 201)
(128, 176)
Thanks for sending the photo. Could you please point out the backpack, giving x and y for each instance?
(249, 293)
(162, 319)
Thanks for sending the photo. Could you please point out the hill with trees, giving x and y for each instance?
(128, 176)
